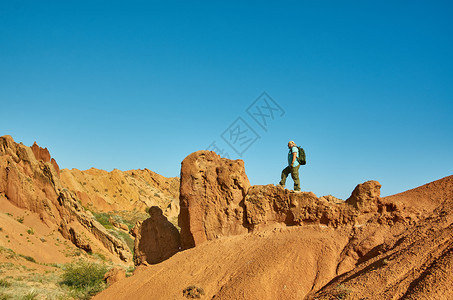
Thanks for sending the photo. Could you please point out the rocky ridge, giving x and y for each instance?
(30, 179)
(117, 190)
(265, 242)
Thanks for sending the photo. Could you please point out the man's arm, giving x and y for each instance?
(294, 158)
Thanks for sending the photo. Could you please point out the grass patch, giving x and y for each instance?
(4, 283)
(9, 252)
(4, 296)
(103, 218)
(99, 256)
(130, 271)
(85, 279)
(30, 296)
(29, 258)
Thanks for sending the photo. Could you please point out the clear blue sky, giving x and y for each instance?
(365, 87)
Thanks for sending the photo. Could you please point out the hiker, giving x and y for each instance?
(293, 166)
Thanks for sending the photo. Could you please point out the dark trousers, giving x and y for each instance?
(294, 171)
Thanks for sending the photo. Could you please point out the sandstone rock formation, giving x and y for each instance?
(397, 247)
(365, 196)
(417, 263)
(44, 155)
(114, 275)
(29, 180)
(212, 191)
(269, 204)
(68, 200)
(156, 239)
(76, 238)
(216, 200)
(117, 190)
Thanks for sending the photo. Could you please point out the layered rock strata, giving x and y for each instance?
(30, 180)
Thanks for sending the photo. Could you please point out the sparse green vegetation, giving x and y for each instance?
(73, 252)
(20, 219)
(193, 292)
(30, 296)
(33, 285)
(342, 292)
(31, 231)
(29, 258)
(85, 279)
(130, 218)
(125, 237)
(130, 271)
(4, 296)
(99, 256)
(4, 283)
(103, 218)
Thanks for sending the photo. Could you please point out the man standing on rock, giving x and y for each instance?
(293, 166)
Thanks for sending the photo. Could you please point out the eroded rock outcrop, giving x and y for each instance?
(216, 200)
(269, 204)
(117, 190)
(68, 200)
(30, 180)
(76, 238)
(366, 196)
(114, 275)
(156, 239)
(212, 191)
(27, 182)
(44, 155)
(382, 255)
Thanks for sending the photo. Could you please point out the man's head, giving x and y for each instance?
(291, 144)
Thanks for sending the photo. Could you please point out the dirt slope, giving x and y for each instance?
(282, 264)
(409, 257)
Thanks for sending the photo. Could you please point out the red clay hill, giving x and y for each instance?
(265, 242)
(48, 212)
(33, 198)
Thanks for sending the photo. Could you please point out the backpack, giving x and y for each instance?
(301, 158)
